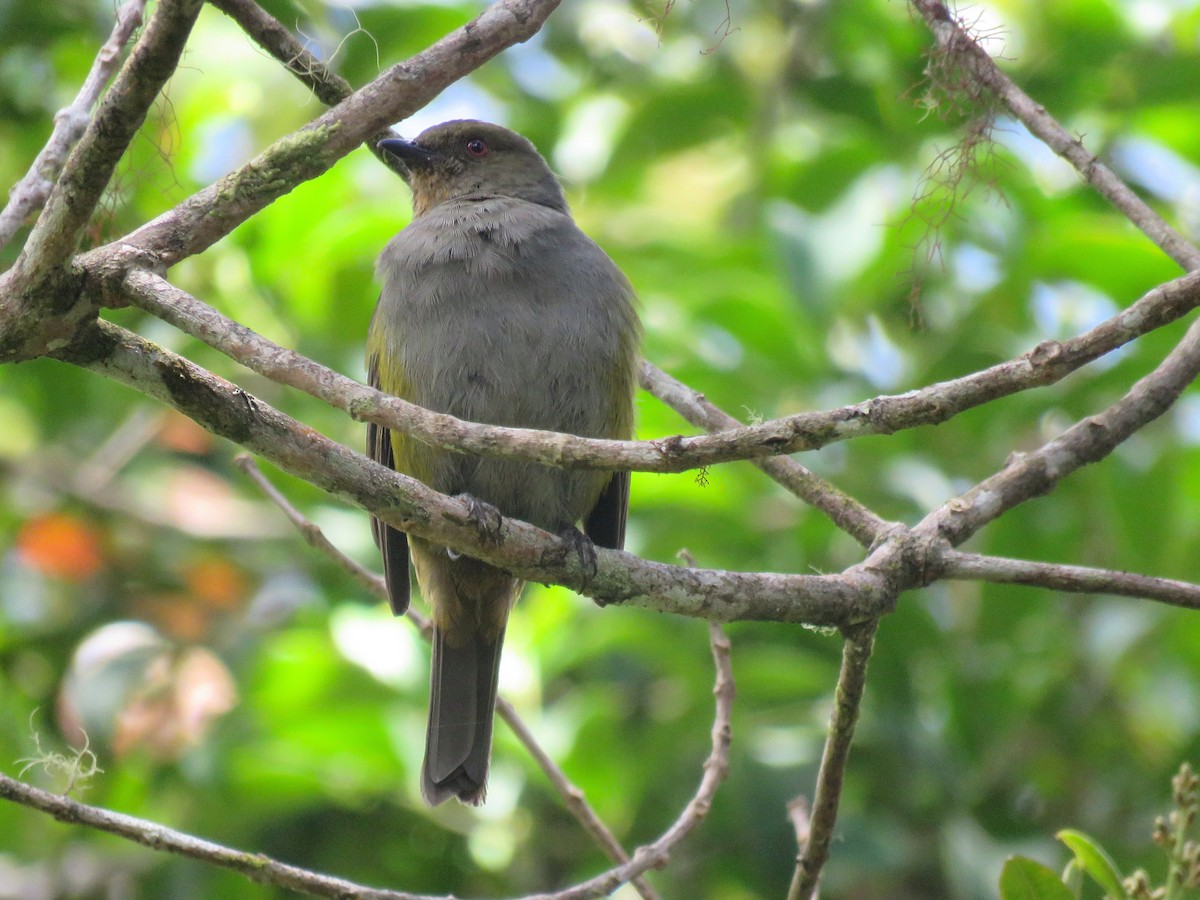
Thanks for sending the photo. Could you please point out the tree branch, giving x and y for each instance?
(911, 558)
(1072, 579)
(405, 503)
(272, 36)
(77, 191)
(254, 866)
(269, 33)
(917, 556)
(1032, 474)
(1047, 363)
(207, 216)
(41, 309)
(851, 683)
(954, 39)
(70, 122)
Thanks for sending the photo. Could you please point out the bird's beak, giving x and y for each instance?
(408, 151)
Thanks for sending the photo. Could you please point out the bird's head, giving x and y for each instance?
(466, 157)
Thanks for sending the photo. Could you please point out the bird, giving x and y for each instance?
(494, 308)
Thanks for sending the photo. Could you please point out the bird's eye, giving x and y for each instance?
(477, 148)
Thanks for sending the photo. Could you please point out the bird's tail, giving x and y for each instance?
(462, 699)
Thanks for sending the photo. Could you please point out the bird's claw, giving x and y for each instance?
(484, 517)
(575, 540)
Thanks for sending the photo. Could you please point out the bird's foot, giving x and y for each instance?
(485, 518)
(581, 545)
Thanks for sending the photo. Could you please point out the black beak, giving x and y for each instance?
(408, 151)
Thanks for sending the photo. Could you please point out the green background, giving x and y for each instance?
(758, 188)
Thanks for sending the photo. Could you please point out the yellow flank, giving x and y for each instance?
(411, 457)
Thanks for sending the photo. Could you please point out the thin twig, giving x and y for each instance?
(269, 33)
(852, 681)
(847, 513)
(254, 866)
(573, 798)
(954, 39)
(94, 473)
(315, 538)
(77, 191)
(716, 767)
(28, 194)
(327, 85)
(1073, 579)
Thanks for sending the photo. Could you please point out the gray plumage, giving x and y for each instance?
(495, 308)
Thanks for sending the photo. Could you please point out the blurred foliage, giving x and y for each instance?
(756, 179)
(1025, 879)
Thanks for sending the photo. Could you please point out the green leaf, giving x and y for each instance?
(1072, 877)
(1096, 862)
(1026, 879)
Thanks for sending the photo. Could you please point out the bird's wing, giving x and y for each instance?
(392, 543)
(605, 524)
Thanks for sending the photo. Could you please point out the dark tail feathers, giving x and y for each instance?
(462, 700)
